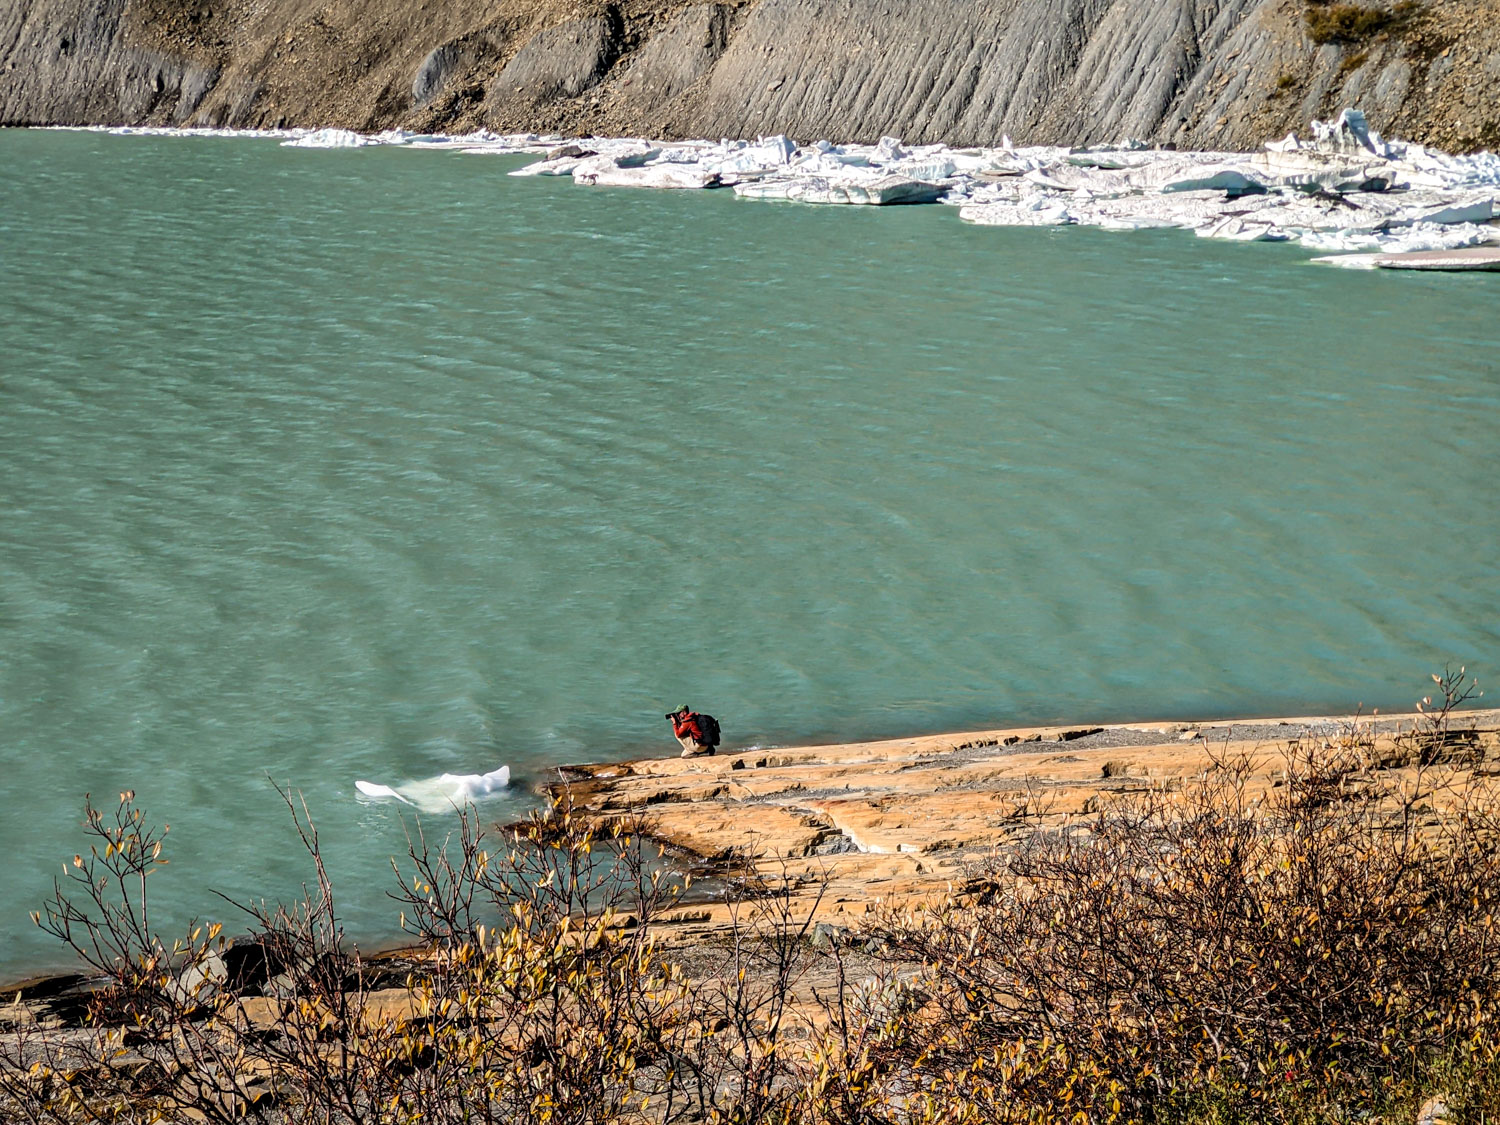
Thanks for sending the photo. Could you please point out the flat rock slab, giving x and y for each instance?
(856, 825)
(1469, 258)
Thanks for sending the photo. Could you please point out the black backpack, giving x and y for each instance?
(710, 728)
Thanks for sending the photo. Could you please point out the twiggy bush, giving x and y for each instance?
(1266, 953)
(1315, 943)
(539, 996)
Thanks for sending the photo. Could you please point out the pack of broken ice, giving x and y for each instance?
(1344, 191)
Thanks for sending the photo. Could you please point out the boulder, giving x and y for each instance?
(433, 73)
(200, 982)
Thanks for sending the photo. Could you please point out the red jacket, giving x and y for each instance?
(686, 726)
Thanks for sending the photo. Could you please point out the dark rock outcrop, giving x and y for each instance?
(679, 55)
(560, 62)
(69, 62)
(450, 63)
(1200, 73)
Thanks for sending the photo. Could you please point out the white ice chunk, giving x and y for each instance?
(1300, 168)
(372, 789)
(767, 152)
(1240, 230)
(1480, 210)
(562, 166)
(1016, 215)
(1107, 222)
(678, 154)
(1042, 179)
(1350, 261)
(922, 169)
(678, 176)
(331, 138)
(765, 189)
(879, 190)
(1422, 236)
(1349, 132)
(442, 793)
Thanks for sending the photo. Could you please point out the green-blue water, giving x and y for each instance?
(376, 464)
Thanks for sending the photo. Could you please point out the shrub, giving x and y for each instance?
(539, 995)
(1270, 953)
(1307, 944)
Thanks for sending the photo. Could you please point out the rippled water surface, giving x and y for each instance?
(317, 466)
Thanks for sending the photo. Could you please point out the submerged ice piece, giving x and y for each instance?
(438, 794)
(1469, 258)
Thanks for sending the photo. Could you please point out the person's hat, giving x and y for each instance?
(683, 708)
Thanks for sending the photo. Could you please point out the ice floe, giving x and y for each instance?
(442, 793)
(1347, 189)
(333, 138)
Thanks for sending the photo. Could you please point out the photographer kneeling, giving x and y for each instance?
(699, 734)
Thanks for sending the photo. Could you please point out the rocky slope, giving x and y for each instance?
(1192, 73)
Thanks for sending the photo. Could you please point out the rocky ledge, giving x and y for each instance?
(851, 826)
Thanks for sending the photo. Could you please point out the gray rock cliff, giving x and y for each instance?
(1191, 73)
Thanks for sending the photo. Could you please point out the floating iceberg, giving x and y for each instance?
(668, 175)
(442, 793)
(332, 138)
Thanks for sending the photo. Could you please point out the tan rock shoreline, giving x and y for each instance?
(846, 828)
(824, 837)
(851, 826)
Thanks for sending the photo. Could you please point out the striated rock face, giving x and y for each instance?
(682, 53)
(69, 62)
(1219, 74)
(558, 63)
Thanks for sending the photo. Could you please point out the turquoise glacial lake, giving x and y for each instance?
(327, 465)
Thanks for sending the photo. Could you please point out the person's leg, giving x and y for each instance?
(693, 749)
